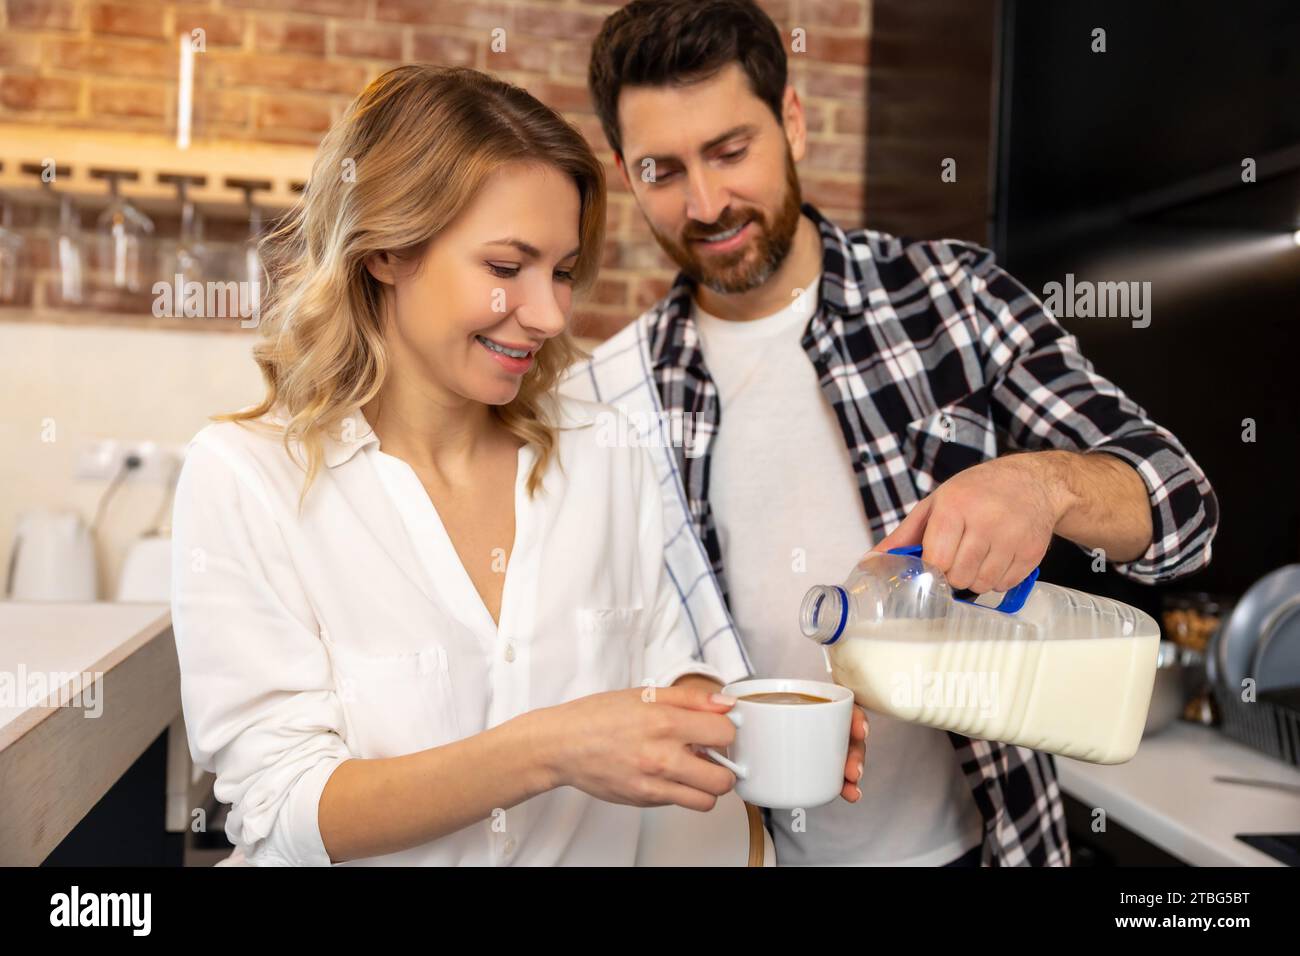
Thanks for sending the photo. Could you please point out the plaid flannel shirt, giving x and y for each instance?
(934, 359)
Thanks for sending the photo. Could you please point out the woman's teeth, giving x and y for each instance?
(724, 236)
(513, 353)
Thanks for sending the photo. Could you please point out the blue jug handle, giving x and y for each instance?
(1011, 602)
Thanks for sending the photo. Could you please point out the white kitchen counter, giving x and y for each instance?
(39, 638)
(56, 762)
(1168, 796)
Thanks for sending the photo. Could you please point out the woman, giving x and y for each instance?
(412, 589)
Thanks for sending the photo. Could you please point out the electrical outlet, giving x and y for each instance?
(102, 459)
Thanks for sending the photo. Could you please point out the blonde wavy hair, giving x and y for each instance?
(409, 154)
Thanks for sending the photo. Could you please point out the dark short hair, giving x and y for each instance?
(676, 42)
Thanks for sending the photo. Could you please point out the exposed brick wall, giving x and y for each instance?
(283, 70)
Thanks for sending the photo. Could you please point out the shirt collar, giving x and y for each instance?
(339, 444)
(354, 433)
(844, 280)
(842, 283)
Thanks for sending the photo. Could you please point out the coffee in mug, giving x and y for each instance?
(786, 697)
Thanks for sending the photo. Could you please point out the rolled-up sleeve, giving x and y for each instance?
(1046, 394)
(260, 704)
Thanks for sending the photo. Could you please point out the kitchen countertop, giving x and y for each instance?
(47, 639)
(1167, 795)
(56, 762)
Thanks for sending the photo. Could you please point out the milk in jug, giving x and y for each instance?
(1049, 668)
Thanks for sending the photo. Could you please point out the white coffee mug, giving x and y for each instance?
(788, 755)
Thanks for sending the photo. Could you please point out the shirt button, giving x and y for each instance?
(509, 653)
(509, 847)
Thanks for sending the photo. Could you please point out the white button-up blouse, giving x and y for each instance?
(353, 630)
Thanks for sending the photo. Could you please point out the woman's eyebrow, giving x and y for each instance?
(528, 249)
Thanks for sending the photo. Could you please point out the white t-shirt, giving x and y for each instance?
(789, 515)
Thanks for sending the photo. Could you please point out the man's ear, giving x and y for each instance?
(381, 265)
(794, 124)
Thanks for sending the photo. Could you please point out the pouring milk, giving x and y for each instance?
(1053, 669)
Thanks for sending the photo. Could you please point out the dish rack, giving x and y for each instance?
(1262, 725)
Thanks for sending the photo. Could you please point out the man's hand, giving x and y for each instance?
(989, 526)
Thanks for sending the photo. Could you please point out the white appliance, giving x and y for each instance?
(147, 571)
(52, 559)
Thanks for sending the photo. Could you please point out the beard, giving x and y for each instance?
(753, 263)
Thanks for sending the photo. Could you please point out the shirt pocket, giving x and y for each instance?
(952, 438)
(395, 704)
(611, 648)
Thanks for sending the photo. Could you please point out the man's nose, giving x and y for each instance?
(706, 198)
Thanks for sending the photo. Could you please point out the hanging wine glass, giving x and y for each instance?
(185, 258)
(11, 253)
(253, 268)
(71, 254)
(66, 247)
(123, 232)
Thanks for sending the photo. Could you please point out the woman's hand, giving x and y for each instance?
(857, 758)
(634, 746)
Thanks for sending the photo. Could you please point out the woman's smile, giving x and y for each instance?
(516, 359)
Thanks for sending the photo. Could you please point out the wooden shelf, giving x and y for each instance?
(127, 320)
(151, 155)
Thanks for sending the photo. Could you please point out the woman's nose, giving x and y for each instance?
(542, 314)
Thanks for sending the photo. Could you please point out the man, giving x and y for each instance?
(851, 391)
